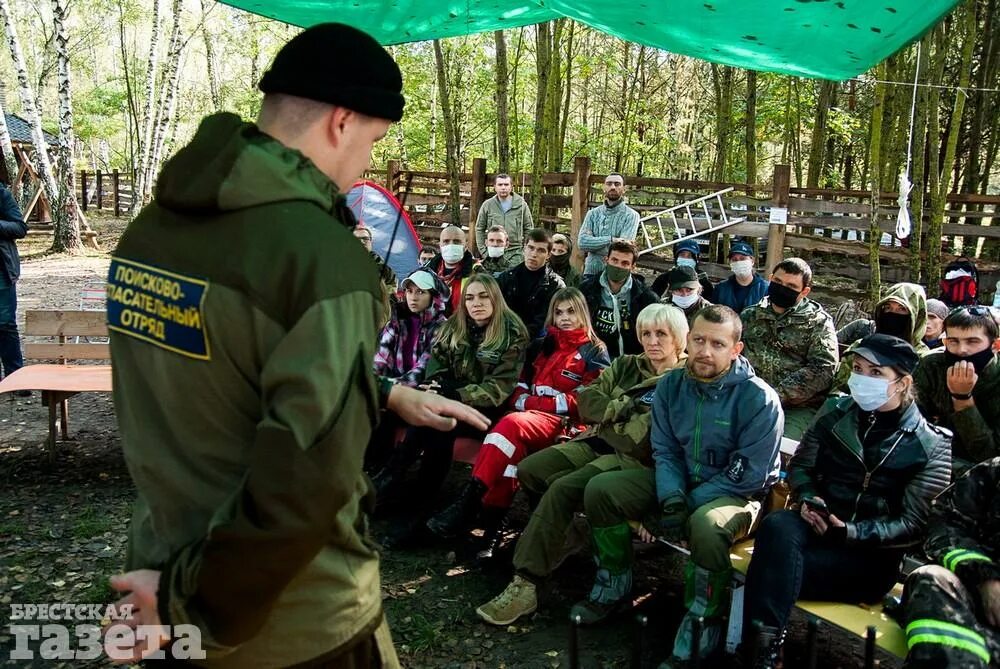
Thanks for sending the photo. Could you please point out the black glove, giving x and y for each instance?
(673, 517)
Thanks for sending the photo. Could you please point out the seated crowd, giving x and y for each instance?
(659, 411)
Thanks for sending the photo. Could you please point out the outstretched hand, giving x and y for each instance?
(426, 409)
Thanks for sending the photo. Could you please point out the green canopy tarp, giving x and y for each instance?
(831, 39)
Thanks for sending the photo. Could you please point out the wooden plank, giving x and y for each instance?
(59, 378)
(67, 351)
(66, 323)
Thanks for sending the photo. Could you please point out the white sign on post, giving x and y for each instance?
(779, 216)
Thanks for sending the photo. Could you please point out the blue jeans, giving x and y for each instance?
(792, 562)
(10, 343)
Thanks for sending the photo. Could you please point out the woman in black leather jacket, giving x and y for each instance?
(862, 482)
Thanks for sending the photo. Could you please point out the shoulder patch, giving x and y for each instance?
(647, 397)
(159, 307)
(736, 469)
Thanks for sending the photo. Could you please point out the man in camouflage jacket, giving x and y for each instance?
(951, 609)
(792, 347)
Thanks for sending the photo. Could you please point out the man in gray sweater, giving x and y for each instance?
(612, 221)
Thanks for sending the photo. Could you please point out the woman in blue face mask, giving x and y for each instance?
(862, 482)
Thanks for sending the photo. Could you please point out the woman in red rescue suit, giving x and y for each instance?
(544, 407)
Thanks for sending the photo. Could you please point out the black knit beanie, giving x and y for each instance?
(340, 65)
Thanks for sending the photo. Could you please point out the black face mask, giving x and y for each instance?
(978, 360)
(782, 296)
(897, 325)
(559, 262)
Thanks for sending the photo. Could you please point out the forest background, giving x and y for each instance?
(124, 84)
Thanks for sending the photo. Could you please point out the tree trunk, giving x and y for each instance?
(67, 217)
(168, 99)
(918, 157)
(968, 14)
(213, 79)
(29, 109)
(751, 127)
(722, 85)
(10, 162)
(567, 86)
(451, 141)
(139, 187)
(543, 65)
(818, 139)
(874, 159)
(502, 96)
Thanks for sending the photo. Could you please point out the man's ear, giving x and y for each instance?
(805, 291)
(737, 349)
(337, 122)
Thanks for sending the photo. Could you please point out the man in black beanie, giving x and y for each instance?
(243, 322)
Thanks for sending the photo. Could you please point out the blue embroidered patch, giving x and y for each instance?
(648, 397)
(159, 307)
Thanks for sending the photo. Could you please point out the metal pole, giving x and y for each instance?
(696, 626)
(574, 642)
(640, 629)
(811, 640)
(870, 647)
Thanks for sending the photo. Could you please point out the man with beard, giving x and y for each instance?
(958, 388)
(791, 343)
(716, 438)
(613, 221)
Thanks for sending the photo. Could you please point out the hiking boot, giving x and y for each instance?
(520, 598)
(592, 613)
(461, 513)
(767, 654)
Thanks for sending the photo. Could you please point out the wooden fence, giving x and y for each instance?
(822, 220)
(106, 190)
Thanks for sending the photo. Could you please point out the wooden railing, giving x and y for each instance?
(106, 190)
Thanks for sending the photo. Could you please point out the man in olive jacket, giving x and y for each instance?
(243, 320)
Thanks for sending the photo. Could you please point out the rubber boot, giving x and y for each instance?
(460, 514)
(706, 595)
(494, 525)
(613, 583)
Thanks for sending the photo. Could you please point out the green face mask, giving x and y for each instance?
(616, 274)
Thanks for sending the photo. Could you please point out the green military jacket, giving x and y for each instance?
(977, 429)
(618, 407)
(910, 295)
(795, 352)
(516, 221)
(243, 324)
(485, 376)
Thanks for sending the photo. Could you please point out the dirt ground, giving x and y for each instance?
(63, 532)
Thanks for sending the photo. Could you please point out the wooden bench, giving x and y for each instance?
(60, 381)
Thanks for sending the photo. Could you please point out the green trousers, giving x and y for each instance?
(572, 477)
(797, 419)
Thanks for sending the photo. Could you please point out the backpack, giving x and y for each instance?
(963, 289)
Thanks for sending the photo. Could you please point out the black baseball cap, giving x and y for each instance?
(887, 351)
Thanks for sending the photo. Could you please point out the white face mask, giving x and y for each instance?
(687, 262)
(684, 301)
(452, 252)
(495, 251)
(742, 267)
(868, 392)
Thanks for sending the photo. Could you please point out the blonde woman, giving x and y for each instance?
(568, 358)
(607, 472)
(476, 359)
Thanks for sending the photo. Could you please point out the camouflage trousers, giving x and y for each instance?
(942, 627)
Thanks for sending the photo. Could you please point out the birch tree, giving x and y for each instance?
(67, 218)
(10, 162)
(146, 132)
(168, 101)
(45, 172)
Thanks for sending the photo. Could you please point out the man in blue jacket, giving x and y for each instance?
(716, 436)
(12, 227)
(745, 287)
